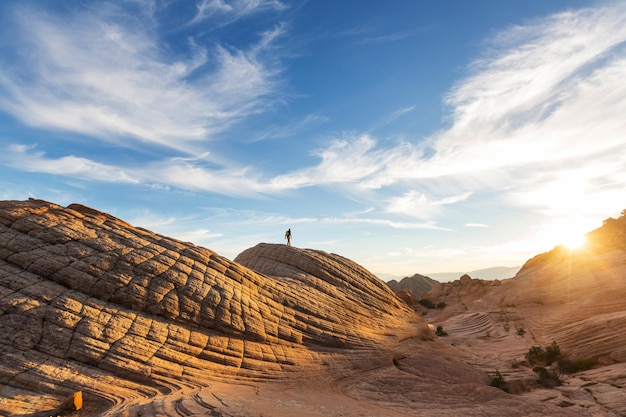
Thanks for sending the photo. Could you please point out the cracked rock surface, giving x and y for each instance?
(87, 300)
(145, 325)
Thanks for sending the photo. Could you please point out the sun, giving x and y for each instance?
(575, 241)
(568, 233)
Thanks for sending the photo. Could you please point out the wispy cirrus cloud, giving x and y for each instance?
(356, 160)
(292, 129)
(230, 11)
(29, 159)
(184, 173)
(387, 38)
(418, 204)
(479, 225)
(546, 100)
(372, 221)
(94, 74)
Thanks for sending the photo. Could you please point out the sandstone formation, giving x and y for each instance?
(576, 298)
(408, 297)
(143, 324)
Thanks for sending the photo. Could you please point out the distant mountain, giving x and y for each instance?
(416, 283)
(387, 277)
(497, 272)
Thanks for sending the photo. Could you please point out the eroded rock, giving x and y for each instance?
(88, 300)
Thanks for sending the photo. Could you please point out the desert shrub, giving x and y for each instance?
(585, 364)
(521, 331)
(430, 305)
(538, 355)
(553, 352)
(533, 353)
(498, 381)
(427, 303)
(547, 377)
(440, 331)
(568, 366)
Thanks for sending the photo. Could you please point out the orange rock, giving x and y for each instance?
(74, 402)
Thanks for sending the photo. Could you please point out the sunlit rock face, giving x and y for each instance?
(145, 325)
(576, 298)
(88, 301)
(338, 301)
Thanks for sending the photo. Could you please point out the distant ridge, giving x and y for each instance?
(497, 272)
(416, 283)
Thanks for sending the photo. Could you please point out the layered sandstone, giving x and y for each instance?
(89, 301)
(576, 298)
(142, 324)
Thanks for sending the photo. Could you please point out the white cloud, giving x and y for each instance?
(95, 74)
(233, 10)
(417, 204)
(400, 112)
(355, 159)
(291, 129)
(27, 159)
(539, 121)
(480, 225)
(388, 38)
(384, 222)
(189, 174)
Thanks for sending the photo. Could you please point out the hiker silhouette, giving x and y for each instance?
(288, 236)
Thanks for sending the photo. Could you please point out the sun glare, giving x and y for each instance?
(574, 242)
(569, 234)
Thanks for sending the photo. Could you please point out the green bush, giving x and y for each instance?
(553, 353)
(538, 355)
(533, 353)
(430, 305)
(440, 331)
(498, 381)
(568, 366)
(547, 377)
(427, 303)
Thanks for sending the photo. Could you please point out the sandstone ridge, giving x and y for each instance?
(89, 301)
(576, 298)
(146, 325)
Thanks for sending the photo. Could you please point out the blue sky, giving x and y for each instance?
(409, 136)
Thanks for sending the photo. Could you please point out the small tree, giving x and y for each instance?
(547, 377)
(537, 355)
(498, 381)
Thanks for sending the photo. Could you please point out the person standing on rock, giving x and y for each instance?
(288, 236)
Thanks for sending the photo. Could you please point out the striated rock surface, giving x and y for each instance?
(142, 324)
(576, 298)
(87, 300)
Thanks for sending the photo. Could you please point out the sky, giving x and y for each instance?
(409, 136)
